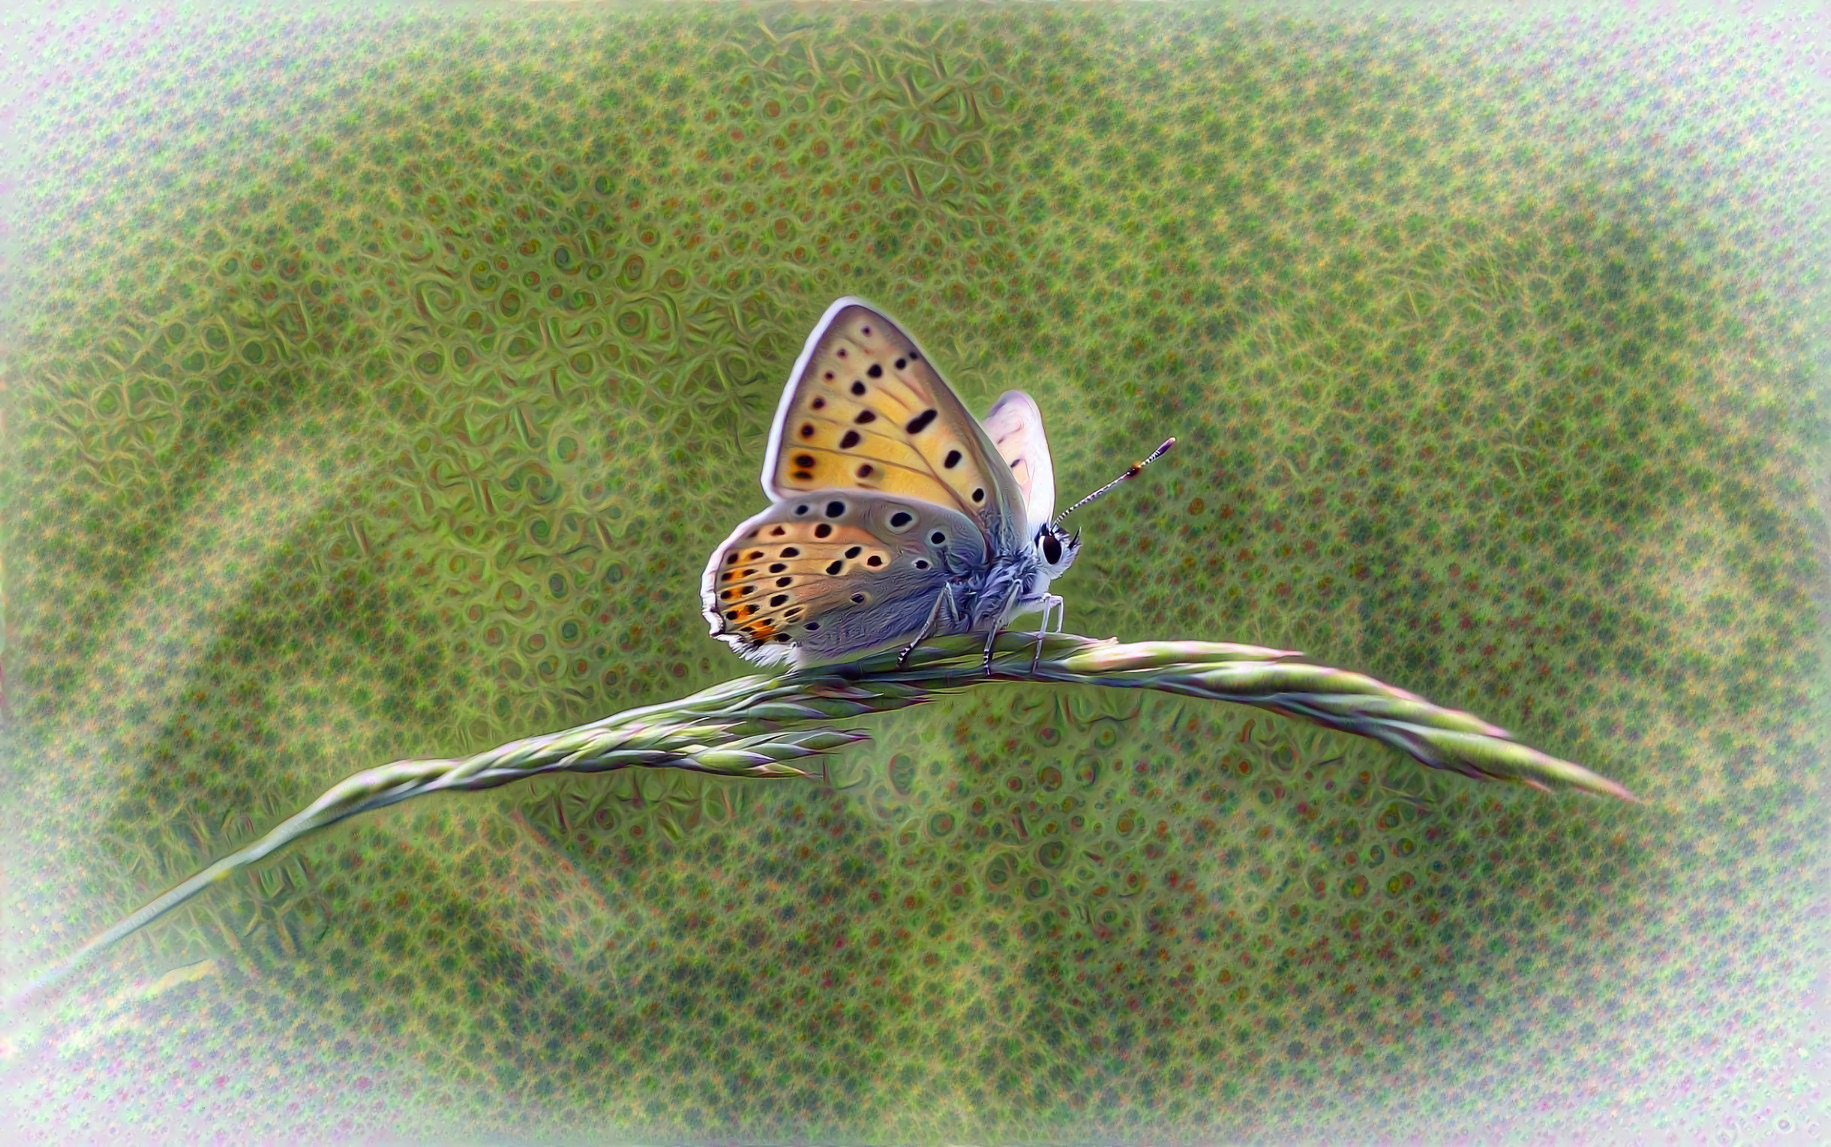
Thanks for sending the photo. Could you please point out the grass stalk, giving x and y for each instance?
(770, 726)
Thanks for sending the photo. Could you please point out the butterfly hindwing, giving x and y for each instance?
(866, 410)
(830, 573)
(1015, 426)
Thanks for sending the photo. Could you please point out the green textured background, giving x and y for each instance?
(377, 387)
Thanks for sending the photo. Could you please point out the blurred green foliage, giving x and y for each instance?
(378, 387)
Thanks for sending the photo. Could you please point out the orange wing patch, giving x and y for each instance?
(777, 577)
(869, 412)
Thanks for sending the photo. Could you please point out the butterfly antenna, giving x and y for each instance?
(1131, 473)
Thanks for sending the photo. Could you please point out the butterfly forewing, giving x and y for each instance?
(1015, 426)
(866, 410)
(833, 572)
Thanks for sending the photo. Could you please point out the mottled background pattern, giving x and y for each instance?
(377, 387)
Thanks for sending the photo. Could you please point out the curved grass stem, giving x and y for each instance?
(761, 726)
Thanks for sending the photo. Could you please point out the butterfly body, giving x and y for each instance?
(894, 515)
(979, 598)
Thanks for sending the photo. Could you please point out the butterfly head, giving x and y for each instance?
(1055, 549)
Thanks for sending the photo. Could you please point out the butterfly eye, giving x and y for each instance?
(1052, 549)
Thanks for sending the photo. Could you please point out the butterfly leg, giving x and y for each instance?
(1050, 601)
(997, 628)
(946, 596)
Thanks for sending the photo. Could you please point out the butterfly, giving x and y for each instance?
(895, 514)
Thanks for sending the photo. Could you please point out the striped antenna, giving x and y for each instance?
(1131, 473)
